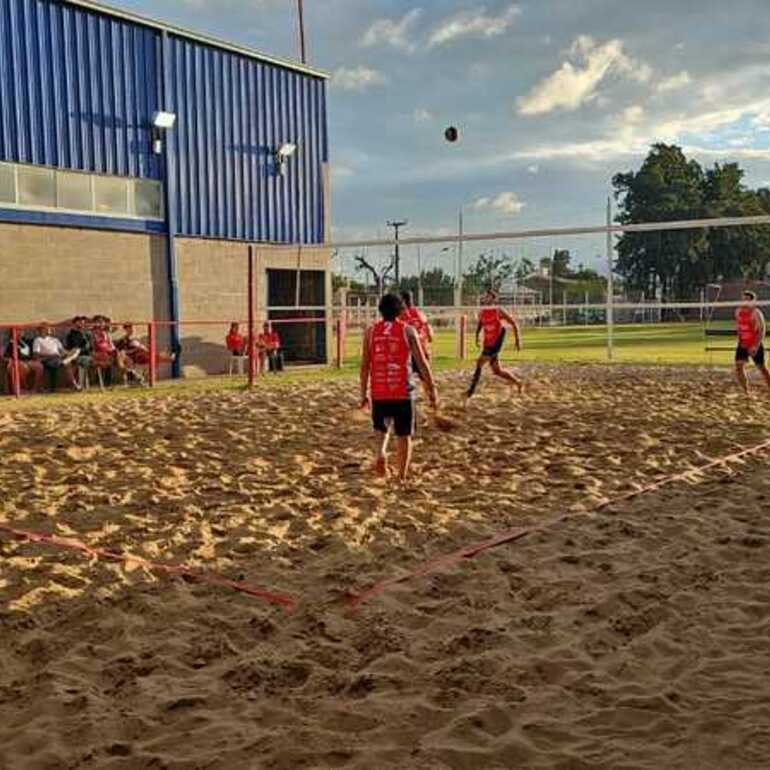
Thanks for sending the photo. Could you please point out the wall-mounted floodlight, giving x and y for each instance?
(282, 153)
(161, 121)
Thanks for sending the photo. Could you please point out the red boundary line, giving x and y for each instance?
(516, 533)
(273, 597)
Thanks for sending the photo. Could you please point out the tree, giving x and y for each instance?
(668, 187)
(488, 272)
(561, 258)
(380, 276)
(524, 269)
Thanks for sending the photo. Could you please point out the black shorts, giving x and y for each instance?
(742, 354)
(493, 351)
(402, 413)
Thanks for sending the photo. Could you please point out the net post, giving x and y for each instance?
(610, 284)
(152, 336)
(463, 337)
(252, 361)
(340, 341)
(15, 362)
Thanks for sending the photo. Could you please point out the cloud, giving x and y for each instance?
(674, 83)
(392, 33)
(358, 79)
(575, 83)
(504, 203)
(473, 23)
(633, 114)
(341, 171)
(421, 115)
(533, 169)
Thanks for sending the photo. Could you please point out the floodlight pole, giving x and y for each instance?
(420, 295)
(610, 283)
(301, 20)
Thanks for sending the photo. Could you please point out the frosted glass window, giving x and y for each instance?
(7, 183)
(73, 191)
(37, 187)
(147, 200)
(111, 195)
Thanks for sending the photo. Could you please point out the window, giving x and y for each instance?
(147, 202)
(37, 187)
(73, 191)
(7, 183)
(111, 195)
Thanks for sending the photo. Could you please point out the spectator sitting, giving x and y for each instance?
(272, 344)
(30, 371)
(136, 351)
(79, 338)
(235, 341)
(51, 353)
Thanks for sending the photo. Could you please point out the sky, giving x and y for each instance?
(551, 97)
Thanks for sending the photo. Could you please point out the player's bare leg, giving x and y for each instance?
(740, 374)
(403, 456)
(763, 370)
(506, 375)
(381, 459)
(476, 377)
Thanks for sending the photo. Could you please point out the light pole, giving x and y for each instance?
(397, 225)
(459, 287)
(419, 277)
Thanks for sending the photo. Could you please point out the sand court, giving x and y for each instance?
(633, 638)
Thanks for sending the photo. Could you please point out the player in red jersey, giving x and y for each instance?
(415, 317)
(491, 318)
(390, 348)
(750, 326)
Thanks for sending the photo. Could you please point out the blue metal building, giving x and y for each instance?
(81, 85)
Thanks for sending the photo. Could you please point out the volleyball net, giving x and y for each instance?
(672, 291)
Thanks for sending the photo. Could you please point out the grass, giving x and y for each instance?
(655, 344)
(671, 343)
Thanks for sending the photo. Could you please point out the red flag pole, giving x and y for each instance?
(15, 363)
(252, 362)
(153, 345)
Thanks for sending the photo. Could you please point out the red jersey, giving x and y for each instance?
(103, 342)
(273, 340)
(391, 361)
(415, 317)
(491, 323)
(748, 329)
(235, 342)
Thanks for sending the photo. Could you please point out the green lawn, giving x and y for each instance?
(672, 343)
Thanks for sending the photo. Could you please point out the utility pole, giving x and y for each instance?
(301, 21)
(420, 295)
(397, 225)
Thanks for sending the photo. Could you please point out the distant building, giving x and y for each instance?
(139, 161)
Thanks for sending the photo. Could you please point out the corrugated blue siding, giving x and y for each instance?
(232, 112)
(77, 89)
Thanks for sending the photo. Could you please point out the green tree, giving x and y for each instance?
(489, 271)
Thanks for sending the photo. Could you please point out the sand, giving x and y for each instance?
(638, 637)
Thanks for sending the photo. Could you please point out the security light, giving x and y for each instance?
(163, 120)
(286, 150)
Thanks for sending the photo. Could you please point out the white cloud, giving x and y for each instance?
(674, 83)
(633, 114)
(341, 171)
(473, 23)
(575, 83)
(359, 79)
(504, 203)
(421, 115)
(533, 169)
(393, 33)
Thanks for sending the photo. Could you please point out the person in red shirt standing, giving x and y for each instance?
(415, 317)
(491, 318)
(390, 347)
(750, 326)
(235, 341)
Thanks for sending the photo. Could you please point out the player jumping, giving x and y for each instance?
(491, 318)
(390, 348)
(750, 323)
